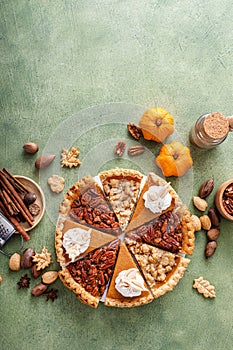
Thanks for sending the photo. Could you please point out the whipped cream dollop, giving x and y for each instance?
(76, 241)
(157, 198)
(130, 283)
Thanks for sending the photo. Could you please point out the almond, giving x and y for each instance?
(44, 161)
(14, 262)
(49, 277)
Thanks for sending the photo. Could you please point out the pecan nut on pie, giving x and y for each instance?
(146, 261)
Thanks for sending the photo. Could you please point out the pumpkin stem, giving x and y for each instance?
(175, 155)
(158, 121)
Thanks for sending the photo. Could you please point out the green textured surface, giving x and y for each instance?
(59, 57)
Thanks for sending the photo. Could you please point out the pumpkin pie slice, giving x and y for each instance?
(89, 276)
(73, 240)
(127, 287)
(161, 269)
(86, 204)
(121, 187)
(157, 197)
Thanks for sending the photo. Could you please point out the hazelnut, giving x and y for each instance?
(0, 279)
(31, 147)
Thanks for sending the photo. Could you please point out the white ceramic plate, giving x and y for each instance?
(40, 200)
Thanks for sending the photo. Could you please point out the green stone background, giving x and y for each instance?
(59, 57)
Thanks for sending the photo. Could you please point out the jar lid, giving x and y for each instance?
(216, 125)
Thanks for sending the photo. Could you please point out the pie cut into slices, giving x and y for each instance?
(88, 277)
(121, 187)
(72, 240)
(153, 228)
(161, 269)
(85, 203)
(127, 287)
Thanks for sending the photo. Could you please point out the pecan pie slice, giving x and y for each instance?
(72, 240)
(169, 228)
(121, 187)
(161, 269)
(85, 203)
(89, 276)
(170, 231)
(127, 287)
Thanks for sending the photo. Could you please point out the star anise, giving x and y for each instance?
(24, 282)
(51, 294)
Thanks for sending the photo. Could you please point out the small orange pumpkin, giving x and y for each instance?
(174, 159)
(157, 124)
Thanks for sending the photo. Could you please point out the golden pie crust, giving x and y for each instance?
(97, 239)
(161, 269)
(113, 297)
(84, 296)
(126, 257)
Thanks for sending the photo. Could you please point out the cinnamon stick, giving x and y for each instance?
(15, 223)
(6, 203)
(15, 182)
(16, 198)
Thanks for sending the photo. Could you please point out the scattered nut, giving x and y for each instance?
(14, 262)
(39, 289)
(49, 277)
(26, 259)
(34, 209)
(210, 248)
(56, 183)
(196, 222)
(29, 198)
(213, 234)
(206, 188)
(136, 150)
(214, 217)
(31, 147)
(200, 203)
(44, 161)
(0, 279)
(205, 222)
(120, 148)
(35, 273)
(135, 130)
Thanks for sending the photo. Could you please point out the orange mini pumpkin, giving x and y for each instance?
(157, 124)
(174, 159)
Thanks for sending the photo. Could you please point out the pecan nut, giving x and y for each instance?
(134, 130)
(228, 199)
(206, 188)
(120, 148)
(136, 150)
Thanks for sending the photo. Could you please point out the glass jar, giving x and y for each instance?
(209, 130)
